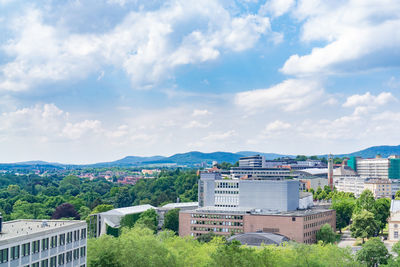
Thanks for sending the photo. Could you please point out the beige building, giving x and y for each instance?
(394, 221)
(300, 225)
(381, 188)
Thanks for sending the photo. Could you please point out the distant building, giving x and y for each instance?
(350, 184)
(378, 167)
(43, 243)
(256, 161)
(381, 188)
(394, 221)
(300, 225)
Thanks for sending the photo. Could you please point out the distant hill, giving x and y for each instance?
(371, 152)
(195, 157)
(268, 156)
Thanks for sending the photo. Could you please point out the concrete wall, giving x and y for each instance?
(269, 195)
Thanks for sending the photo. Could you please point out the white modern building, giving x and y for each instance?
(256, 161)
(373, 168)
(43, 243)
(350, 184)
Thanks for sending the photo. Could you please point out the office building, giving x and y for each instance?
(256, 161)
(350, 184)
(43, 243)
(378, 167)
(381, 188)
(299, 225)
(248, 194)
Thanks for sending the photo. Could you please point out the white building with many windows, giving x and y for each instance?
(43, 243)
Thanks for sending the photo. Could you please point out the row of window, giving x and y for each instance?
(226, 185)
(217, 223)
(216, 229)
(226, 192)
(226, 206)
(314, 224)
(25, 249)
(61, 259)
(316, 216)
(217, 216)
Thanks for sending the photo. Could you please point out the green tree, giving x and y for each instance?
(366, 201)
(102, 208)
(373, 253)
(171, 220)
(148, 219)
(382, 212)
(344, 210)
(364, 225)
(326, 234)
(103, 252)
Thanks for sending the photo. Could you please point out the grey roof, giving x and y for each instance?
(395, 206)
(181, 205)
(315, 171)
(256, 239)
(127, 210)
(25, 228)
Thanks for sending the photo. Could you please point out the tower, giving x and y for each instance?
(330, 171)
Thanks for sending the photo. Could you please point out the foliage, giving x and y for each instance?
(65, 210)
(382, 212)
(344, 210)
(148, 219)
(171, 220)
(326, 234)
(373, 252)
(366, 201)
(364, 225)
(141, 247)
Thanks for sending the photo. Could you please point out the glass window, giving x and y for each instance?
(36, 264)
(83, 251)
(396, 234)
(44, 263)
(15, 252)
(4, 255)
(61, 259)
(45, 244)
(26, 249)
(62, 239)
(36, 246)
(53, 241)
(53, 261)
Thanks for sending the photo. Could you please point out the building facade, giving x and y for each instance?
(43, 243)
(381, 188)
(300, 226)
(256, 161)
(394, 221)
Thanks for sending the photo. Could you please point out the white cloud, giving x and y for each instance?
(147, 45)
(197, 124)
(356, 36)
(219, 136)
(369, 100)
(290, 95)
(277, 7)
(277, 126)
(200, 112)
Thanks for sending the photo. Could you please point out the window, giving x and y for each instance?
(83, 251)
(69, 256)
(36, 246)
(4, 255)
(61, 259)
(45, 244)
(69, 237)
(36, 264)
(26, 249)
(14, 253)
(293, 219)
(44, 263)
(396, 234)
(53, 241)
(53, 261)
(76, 235)
(76, 254)
(83, 233)
(62, 239)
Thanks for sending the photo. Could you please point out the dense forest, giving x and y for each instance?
(45, 197)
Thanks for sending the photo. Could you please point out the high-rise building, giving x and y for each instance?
(255, 161)
(44, 243)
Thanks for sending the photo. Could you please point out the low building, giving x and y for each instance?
(43, 243)
(350, 184)
(299, 225)
(381, 188)
(394, 221)
(258, 239)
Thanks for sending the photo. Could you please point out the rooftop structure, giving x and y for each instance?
(257, 239)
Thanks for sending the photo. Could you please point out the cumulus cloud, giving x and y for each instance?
(197, 124)
(200, 112)
(356, 37)
(277, 7)
(146, 45)
(276, 126)
(290, 95)
(368, 99)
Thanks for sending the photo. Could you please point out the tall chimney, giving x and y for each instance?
(330, 171)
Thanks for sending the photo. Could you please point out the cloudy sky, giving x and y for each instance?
(89, 80)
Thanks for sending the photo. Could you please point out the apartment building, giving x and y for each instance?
(43, 243)
(381, 188)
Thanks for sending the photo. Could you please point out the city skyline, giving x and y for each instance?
(91, 81)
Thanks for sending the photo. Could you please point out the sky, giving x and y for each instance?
(89, 81)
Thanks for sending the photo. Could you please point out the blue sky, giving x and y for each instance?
(89, 81)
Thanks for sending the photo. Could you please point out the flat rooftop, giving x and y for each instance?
(19, 229)
(294, 213)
